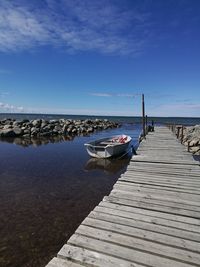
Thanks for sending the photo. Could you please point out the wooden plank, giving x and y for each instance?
(163, 247)
(155, 165)
(122, 209)
(139, 200)
(91, 257)
(188, 182)
(161, 165)
(166, 172)
(153, 226)
(161, 193)
(125, 253)
(151, 219)
(163, 160)
(158, 182)
(56, 262)
(175, 167)
(128, 195)
(141, 234)
(139, 186)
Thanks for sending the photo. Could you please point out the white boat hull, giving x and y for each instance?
(97, 150)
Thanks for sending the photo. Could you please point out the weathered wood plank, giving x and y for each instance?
(158, 182)
(132, 211)
(160, 203)
(138, 186)
(91, 257)
(142, 234)
(128, 196)
(125, 253)
(186, 181)
(157, 226)
(56, 262)
(160, 247)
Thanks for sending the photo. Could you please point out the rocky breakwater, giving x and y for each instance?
(44, 128)
(191, 138)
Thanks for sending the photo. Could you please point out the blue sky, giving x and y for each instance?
(97, 57)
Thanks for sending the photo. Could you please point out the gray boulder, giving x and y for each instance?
(18, 131)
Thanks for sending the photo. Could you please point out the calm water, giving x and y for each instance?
(158, 120)
(46, 190)
(48, 186)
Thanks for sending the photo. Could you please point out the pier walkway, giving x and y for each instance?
(150, 218)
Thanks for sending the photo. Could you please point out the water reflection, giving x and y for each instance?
(110, 166)
(25, 142)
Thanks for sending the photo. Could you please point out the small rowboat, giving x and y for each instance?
(108, 147)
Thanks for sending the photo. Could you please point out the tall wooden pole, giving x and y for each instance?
(143, 115)
(146, 123)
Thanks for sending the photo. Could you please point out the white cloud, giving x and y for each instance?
(101, 94)
(115, 95)
(72, 24)
(5, 107)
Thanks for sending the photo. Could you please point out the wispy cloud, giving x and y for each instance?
(115, 95)
(5, 107)
(75, 25)
(101, 94)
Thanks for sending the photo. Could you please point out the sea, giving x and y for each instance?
(48, 187)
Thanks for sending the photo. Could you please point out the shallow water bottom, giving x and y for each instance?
(46, 190)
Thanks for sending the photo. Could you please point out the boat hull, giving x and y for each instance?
(108, 151)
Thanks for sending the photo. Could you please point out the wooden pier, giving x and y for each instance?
(150, 218)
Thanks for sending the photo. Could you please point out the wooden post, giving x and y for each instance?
(143, 116)
(188, 146)
(178, 131)
(146, 124)
(182, 134)
(174, 127)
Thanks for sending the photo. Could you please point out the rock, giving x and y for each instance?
(61, 127)
(57, 128)
(7, 133)
(7, 126)
(45, 134)
(17, 123)
(191, 135)
(26, 131)
(36, 123)
(77, 123)
(54, 121)
(43, 125)
(90, 130)
(18, 131)
(194, 142)
(74, 131)
(26, 135)
(194, 149)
